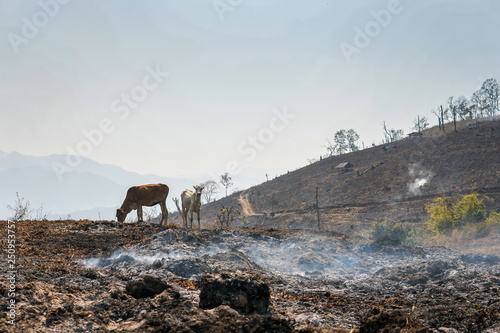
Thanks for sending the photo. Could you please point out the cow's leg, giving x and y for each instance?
(139, 213)
(164, 213)
(199, 224)
(184, 217)
(191, 217)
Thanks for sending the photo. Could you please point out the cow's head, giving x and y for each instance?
(121, 215)
(198, 189)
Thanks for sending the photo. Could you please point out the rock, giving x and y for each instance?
(157, 264)
(245, 292)
(188, 267)
(148, 286)
(392, 322)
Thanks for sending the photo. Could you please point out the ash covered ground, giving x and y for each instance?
(102, 276)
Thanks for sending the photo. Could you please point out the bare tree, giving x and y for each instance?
(176, 200)
(437, 113)
(225, 180)
(150, 213)
(420, 124)
(330, 148)
(442, 115)
(210, 191)
(453, 111)
(392, 134)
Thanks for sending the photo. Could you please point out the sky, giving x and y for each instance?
(196, 88)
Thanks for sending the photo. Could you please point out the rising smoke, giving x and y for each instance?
(419, 176)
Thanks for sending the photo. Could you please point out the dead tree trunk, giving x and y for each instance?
(317, 209)
(455, 118)
(176, 200)
(442, 116)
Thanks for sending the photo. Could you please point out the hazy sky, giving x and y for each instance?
(185, 88)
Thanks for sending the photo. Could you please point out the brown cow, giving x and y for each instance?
(145, 195)
(191, 202)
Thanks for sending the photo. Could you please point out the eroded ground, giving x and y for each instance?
(102, 276)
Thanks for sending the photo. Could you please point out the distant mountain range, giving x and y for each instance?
(92, 190)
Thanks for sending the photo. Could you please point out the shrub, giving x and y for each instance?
(393, 229)
(490, 224)
(442, 215)
(469, 210)
(226, 215)
(468, 214)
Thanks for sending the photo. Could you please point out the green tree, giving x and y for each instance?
(442, 215)
(340, 139)
(352, 137)
(491, 90)
(469, 210)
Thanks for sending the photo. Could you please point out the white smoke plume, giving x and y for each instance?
(419, 176)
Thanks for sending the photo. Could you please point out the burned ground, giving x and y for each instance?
(101, 276)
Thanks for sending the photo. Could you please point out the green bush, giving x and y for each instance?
(442, 215)
(490, 224)
(469, 210)
(393, 229)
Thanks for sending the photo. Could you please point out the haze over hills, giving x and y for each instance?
(391, 181)
(91, 191)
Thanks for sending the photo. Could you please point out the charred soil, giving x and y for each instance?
(91, 276)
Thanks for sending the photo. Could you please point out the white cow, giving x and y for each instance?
(191, 202)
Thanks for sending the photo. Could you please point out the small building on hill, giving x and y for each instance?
(344, 167)
(415, 135)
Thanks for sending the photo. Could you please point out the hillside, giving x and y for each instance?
(391, 181)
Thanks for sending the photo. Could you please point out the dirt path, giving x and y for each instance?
(246, 207)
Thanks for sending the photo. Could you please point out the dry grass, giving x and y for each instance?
(466, 240)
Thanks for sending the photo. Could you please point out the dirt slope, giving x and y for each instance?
(391, 181)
